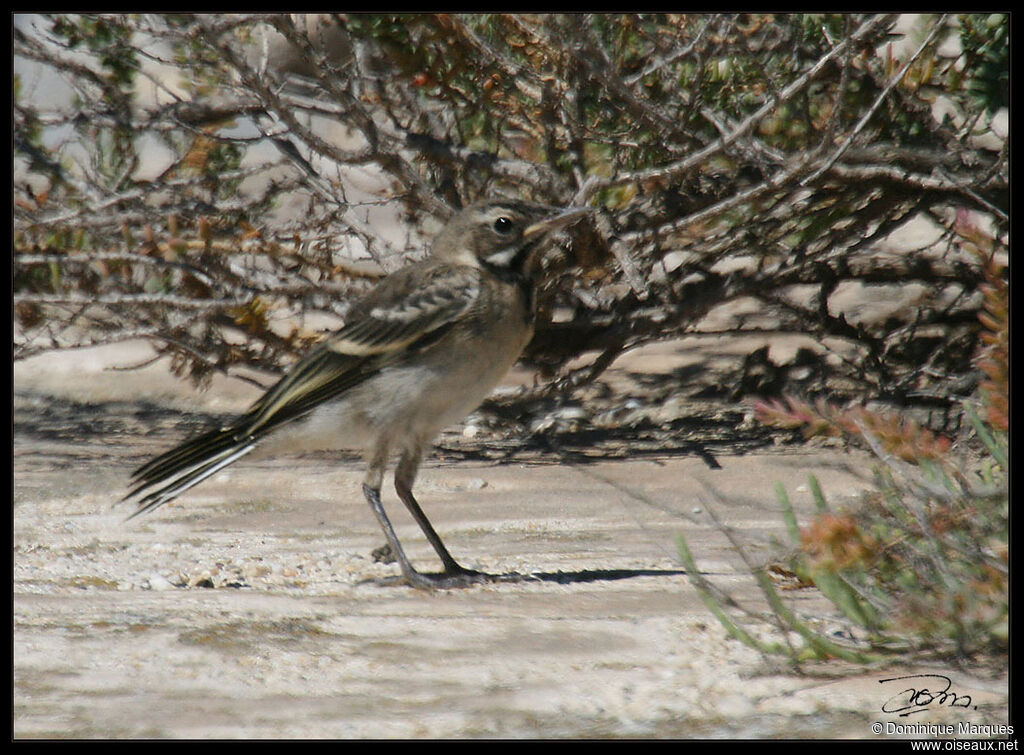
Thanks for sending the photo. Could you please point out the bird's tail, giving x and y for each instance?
(171, 474)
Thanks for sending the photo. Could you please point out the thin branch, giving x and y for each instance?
(595, 183)
(869, 114)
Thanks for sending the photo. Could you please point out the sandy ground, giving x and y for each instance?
(244, 610)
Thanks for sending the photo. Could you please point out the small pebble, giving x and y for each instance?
(159, 583)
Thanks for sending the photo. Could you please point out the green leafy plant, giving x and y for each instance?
(923, 562)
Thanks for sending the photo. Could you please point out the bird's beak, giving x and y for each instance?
(553, 223)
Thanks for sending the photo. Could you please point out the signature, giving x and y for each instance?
(916, 699)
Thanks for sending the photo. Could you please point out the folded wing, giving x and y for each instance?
(408, 312)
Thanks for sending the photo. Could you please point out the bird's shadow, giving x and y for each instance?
(593, 575)
(559, 577)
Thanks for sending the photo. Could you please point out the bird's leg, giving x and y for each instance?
(453, 575)
(410, 575)
(371, 489)
(405, 476)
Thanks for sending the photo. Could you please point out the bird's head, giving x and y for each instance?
(500, 235)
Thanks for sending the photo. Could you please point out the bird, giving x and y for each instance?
(416, 354)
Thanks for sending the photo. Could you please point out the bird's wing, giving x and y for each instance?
(410, 310)
(406, 313)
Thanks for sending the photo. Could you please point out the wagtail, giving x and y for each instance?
(417, 354)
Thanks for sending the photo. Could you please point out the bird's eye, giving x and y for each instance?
(503, 225)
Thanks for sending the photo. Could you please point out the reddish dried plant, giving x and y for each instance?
(836, 542)
(899, 436)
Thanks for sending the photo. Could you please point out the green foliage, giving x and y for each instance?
(986, 42)
(109, 37)
(924, 560)
(921, 565)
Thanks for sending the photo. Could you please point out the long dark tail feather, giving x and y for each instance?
(174, 472)
(319, 377)
(186, 454)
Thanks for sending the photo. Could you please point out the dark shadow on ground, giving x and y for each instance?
(601, 575)
(560, 577)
